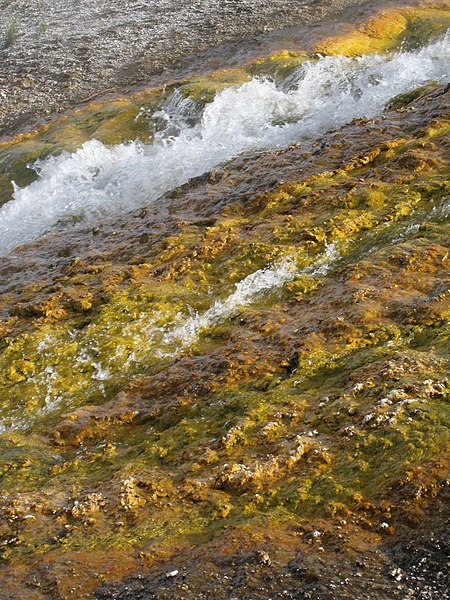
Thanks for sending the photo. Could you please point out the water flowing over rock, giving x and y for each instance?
(224, 346)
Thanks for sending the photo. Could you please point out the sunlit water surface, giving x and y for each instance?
(98, 181)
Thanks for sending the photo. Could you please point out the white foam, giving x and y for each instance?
(144, 339)
(325, 262)
(247, 292)
(97, 180)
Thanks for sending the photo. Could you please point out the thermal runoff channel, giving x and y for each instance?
(80, 188)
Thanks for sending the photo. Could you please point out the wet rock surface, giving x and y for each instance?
(323, 409)
(167, 432)
(326, 563)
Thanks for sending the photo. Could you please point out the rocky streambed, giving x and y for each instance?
(240, 389)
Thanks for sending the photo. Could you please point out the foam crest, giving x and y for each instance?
(247, 292)
(96, 181)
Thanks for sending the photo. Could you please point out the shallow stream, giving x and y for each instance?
(257, 359)
(190, 138)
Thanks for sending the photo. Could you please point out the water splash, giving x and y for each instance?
(247, 292)
(96, 180)
(98, 361)
(325, 262)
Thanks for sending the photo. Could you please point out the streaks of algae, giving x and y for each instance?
(325, 399)
(389, 30)
(321, 400)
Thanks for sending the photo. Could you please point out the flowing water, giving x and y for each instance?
(97, 181)
(143, 339)
(233, 370)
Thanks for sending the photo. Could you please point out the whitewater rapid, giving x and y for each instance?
(81, 188)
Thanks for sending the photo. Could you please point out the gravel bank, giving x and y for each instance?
(55, 54)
